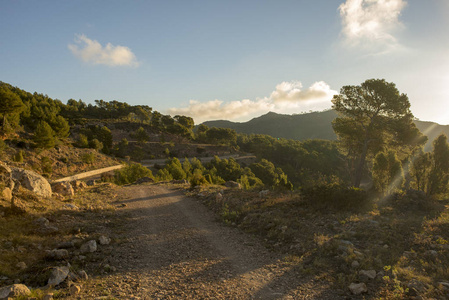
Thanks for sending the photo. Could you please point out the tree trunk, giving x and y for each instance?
(359, 170)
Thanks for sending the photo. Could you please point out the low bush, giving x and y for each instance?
(88, 158)
(336, 197)
(130, 173)
(46, 163)
(412, 200)
(3, 147)
(197, 179)
(18, 156)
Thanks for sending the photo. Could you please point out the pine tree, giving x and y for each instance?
(10, 103)
(44, 136)
(439, 174)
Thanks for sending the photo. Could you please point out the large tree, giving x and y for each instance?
(439, 173)
(372, 117)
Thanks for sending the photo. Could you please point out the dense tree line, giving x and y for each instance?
(49, 118)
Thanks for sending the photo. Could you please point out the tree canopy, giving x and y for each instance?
(373, 116)
(10, 103)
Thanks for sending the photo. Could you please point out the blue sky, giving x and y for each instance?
(227, 59)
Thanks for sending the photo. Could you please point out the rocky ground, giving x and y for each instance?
(151, 241)
(171, 247)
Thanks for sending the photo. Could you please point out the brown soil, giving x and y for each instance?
(171, 247)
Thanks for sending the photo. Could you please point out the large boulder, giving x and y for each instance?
(14, 290)
(358, 288)
(64, 188)
(58, 275)
(89, 247)
(6, 194)
(32, 181)
(6, 182)
(6, 176)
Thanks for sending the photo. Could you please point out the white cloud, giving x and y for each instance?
(292, 92)
(91, 51)
(371, 22)
(218, 110)
(288, 97)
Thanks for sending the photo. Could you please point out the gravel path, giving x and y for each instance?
(174, 249)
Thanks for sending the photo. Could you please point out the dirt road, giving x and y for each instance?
(172, 248)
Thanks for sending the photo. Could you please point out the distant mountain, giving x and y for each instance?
(432, 130)
(315, 125)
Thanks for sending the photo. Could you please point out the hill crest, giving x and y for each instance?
(314, 125)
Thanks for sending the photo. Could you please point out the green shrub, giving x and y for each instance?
(107, 177)
(44, 136)
(95, 144)
(197, 179)
(141, 135)
(130, 173)
(175, 169)
(336, 197)
(138, 154)
(82, 141)
(46, 164)
(163, 175)
(122, 148)
(88, 158)
(3, 147)
(250, 182)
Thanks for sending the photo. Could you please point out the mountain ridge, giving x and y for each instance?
(314, 125)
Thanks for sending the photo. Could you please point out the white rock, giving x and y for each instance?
(264, 193)
(104, 240)
(232, 184)
(355, 264)
(58, 275)
(42, 221)
(6, 194)
(371, 274)
(64, 188)
(32, 181)
(90, 246)
(14, 290)
(70, 206)
(58, 253)
(358, 288)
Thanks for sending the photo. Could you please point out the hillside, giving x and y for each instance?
(315, 125)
